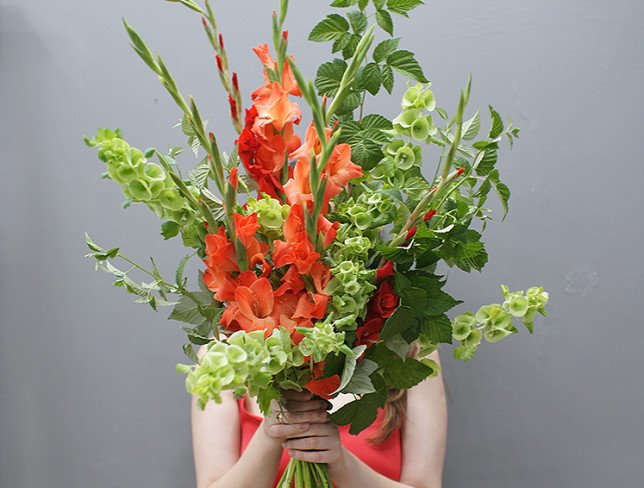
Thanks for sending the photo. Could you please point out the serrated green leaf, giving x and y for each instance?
(170, 229)
(387, 75)
(406, 373)
(360, 382)
(437, 329)
(333, 27)
(369, 78)
(405, 62)
(350, 366)
(361, 413)
(190, 312)
(464, 353)
(497, 124)
(398, 344)
(178, 275)
(471, 127)
(199, 174)
(401, 319)
(385, 48)
(358, 21)
(384, 20)
(190, 352)
(329, 75)
(402, 7)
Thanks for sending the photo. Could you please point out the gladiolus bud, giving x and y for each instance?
(433, 188)
(221, 41)
(205, 224)
(203, 21)
(233, 178)
(233, 107)
(235, 82)
(460, 171)
(429, 215)
(220, 66)
(410, 233)
(211, 136)
(285, 35)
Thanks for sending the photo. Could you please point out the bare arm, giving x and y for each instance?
(216, 446)
(216, 441)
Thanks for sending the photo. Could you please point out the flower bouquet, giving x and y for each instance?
(320, 250)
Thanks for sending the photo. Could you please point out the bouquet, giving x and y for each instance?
(320, 246)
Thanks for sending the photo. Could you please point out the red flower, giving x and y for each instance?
(322, 387)
(410, 233)
(384, 301)
(385, 271)
(369, 331)
(429, 215)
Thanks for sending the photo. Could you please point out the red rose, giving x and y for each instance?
(384, 301)
(369, 331)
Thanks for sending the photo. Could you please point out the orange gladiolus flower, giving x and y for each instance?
(274, 107)
(322, 387)
(288, 80)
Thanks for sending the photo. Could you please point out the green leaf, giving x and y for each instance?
(385, 48)
(387, 75)
(401, 7)
(471, 127)
(358, 21)
(490, 157)
(464, 353)
(350, 366)
(99, 253)
(369, 78)
(178, 275)
(405, 62)
(415, 298)
(384, 20)
(360, 382)
(497, 124)
(366, 139)
(170, 229)
(352, 44)
(190, 312)
(329, 75)
(333, 27)
(199, 174)
(406, 373)
(363, 412)
(190, 352)
(437, 328)
(343, 3)
(398, 344)
(402, 318)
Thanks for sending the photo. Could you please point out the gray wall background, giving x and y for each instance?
(89, 396)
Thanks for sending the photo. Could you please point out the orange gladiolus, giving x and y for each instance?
(274, 107)
(288, 80)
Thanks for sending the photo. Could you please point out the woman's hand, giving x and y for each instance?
(299, 414)
(320, 441)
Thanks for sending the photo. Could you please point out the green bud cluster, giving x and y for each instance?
(244, 363)
(140, 180)
(496, 321)
(321, 340)
(413, 123)
(351, 287)
(525, 306)
(143, 181)
(370, 210)
(270, 214)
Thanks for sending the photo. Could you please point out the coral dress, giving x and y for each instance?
(385, 458)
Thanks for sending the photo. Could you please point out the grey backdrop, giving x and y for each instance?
(89, 396)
